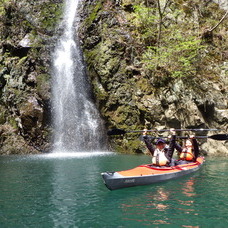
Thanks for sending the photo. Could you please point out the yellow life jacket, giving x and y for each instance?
(159, 158)
(187, 154)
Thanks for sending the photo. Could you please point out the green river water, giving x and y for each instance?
(66, 190)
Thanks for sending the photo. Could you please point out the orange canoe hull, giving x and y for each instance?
(148, 174)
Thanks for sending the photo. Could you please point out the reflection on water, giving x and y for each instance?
(71, 182)
(43, 191)
(188, 188)
(161, 197)
(162, 203)
(64, 197)
(192, 201)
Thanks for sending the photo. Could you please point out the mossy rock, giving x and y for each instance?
(13, 143)
(43, 86)
(50, 15)
(24, 70)
(12, 122)
(99, 91)
(128, 144)
(94, 13)
(144, 86)
(2, 115)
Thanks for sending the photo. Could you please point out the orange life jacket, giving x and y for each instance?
(159, 158)
(187, 154)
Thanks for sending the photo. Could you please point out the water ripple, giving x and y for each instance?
(59, 192)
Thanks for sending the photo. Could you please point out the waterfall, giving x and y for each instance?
(77, 124)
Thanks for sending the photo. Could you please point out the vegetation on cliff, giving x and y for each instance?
(157, 64)
(27, 32)
(152, 63)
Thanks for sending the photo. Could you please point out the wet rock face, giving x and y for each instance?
(28, 33)
(222, 3)
(31, 114)
(129, 96)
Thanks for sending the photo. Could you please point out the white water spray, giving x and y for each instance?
(77, 124)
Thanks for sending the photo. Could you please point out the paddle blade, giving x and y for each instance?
(116, 132)
(219, 137)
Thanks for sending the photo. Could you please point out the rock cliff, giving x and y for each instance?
(27, 31)
(157, 64)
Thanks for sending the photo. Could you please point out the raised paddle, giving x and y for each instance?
(121, 132)
(220, 137)
(215, 137)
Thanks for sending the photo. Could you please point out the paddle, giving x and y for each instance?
(220, 137)
(121, 132)
(215, 137)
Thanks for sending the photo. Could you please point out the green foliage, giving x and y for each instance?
(169, 41)
(144, 17)
(179, 57)
(145, 21)
(94, 13)
(2, 4)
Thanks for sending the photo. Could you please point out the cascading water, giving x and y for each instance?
(77, 124)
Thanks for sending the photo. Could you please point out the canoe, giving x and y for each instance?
(148, 174)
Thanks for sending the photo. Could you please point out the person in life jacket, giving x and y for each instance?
(162, 154)
(189, 152)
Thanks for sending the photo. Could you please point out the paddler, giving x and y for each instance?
(190, 151)
(163, 153)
